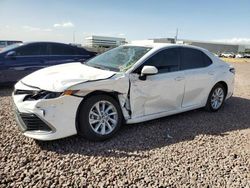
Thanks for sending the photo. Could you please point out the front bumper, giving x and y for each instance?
(31, 122)
(47, 119)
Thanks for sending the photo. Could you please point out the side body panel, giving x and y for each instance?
(13, 69)
(158, 93)
(197, 85)
(118, 84)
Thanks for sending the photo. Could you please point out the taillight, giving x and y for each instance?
(232, 70)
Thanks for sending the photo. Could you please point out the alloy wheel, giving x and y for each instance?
(217, 98)
(103, 117)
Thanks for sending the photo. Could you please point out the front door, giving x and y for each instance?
(28, 59)
(161, 92)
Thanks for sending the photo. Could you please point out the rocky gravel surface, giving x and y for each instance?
(192, 149)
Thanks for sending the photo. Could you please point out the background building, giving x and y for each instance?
(4, 43)
(214, 47)
(102, 41)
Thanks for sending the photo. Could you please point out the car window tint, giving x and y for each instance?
(206, 60)
(82, 51)
(165, 60)
(61, 49)
(193, 58)
(32, 50)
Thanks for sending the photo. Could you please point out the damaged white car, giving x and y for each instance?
(129, 84)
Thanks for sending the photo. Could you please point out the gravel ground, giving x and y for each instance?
(192, 149)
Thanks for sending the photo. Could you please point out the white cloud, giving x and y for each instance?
(47, 29)
(64, 24)
(31, 28)
(235, 40)
(121, 34)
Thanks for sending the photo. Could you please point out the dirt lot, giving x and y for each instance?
(193, 149)
(236, 60)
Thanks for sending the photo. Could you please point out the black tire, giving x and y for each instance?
(84, 127)
(209, 106)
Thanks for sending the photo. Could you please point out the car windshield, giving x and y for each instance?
(119, 59)
(10, 47)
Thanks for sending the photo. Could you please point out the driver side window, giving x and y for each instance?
(167, 60)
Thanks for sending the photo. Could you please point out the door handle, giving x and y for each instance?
(179, 78)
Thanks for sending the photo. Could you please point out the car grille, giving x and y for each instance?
(30, 122)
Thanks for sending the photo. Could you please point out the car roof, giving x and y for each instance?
(34, 42)
(48, 42)
(164, 45)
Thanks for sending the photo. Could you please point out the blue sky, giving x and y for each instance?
(224, 20)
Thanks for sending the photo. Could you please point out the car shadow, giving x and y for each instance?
(132, 139)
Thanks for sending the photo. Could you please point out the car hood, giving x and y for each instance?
(60, 77)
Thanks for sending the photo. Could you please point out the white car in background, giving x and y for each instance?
(128, 84)
(227, 55)
(239, 56)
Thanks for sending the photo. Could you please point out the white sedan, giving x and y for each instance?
(129, 84)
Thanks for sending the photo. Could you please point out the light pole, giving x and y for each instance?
(74, 37)
(176, 35)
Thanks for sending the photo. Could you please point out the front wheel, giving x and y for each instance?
(99, 117)
(216, 98)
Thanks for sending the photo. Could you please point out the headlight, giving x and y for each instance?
(51, 95)
(32, 95)
(36, 95)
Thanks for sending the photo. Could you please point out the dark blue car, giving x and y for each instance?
(19, 60)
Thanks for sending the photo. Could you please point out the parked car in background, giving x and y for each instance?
(130, 84)
(227, 55)
(239, 56)
(246, 55)
(19, 60)
(4, 43)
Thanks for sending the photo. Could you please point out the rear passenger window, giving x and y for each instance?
(81, 51)
(192, 58)
(206, 60)
(58, 49)
(165, 61)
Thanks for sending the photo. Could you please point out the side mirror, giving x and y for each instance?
(11, 54)
(146, 71)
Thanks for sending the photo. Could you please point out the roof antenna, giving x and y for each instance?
(176, 36)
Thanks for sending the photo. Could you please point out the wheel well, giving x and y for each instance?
(224, 84)
(112, 94)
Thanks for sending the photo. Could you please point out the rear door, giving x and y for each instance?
(61, 53)
(28, 59)
(198, 74)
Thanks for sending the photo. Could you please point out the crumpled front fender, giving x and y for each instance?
(118, 84)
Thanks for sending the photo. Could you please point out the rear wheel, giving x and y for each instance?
(216, 98)
(99, 117)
